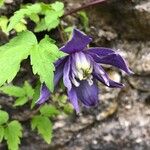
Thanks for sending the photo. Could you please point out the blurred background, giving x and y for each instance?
(122, 119)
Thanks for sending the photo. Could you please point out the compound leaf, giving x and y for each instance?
(13, 53)
(13, 133)
(44, 127)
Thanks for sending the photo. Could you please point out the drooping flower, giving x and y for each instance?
(81, 69)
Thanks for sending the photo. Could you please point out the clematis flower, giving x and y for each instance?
(81, 70)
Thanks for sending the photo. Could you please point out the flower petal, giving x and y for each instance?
(73, 99)
(77, 43)
(112, 84)
(99, 71)
(44, 94)
(66, 74)
(108, 56)
(101, 51)
(88, 94)
(59, 64)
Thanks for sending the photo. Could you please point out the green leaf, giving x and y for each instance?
(13, 133)
(20, 14)
(13, 91)
(2, 3)
(51, 19)
(42, 58)
(20, 27)
(28, 89)
(36, 94)
(3, 23)
(3, 117)
(21, 101)
(44, 127)
(13, 53)
(49, 110)
(1, 133)
(84, 20)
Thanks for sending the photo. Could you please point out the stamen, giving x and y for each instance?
(74, 81)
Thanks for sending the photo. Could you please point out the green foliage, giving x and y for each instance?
(43, 123)
(2, 3)
(35, 95)
(51, 19)
(3, 117)
(84, 20)
(28, 89)
(3, 23)
(10, 131)
(44, 127)
(13, 91)
(21, 26)
(50, 12)
(13, 53)
(13, 133)
(2, 131)
(42, 58)
(49, 110)
(23, 93)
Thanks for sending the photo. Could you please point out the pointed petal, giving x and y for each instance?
(77, 43)
(66, 74)
(108, 56)
(99, 71)
(87, 94)
(44, 94)
(112, 84)
(73, 99)
(117, 61)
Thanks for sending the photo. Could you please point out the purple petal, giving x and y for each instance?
(77, 43)
(88, 94)
(73, 99)
(99, 71)
(108, 56)
(112, 84)
(59, 69)
(44, 94)
(60, 61)
(66, 74)
(101, 51)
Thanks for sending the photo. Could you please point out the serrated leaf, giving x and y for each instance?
(3, 117)
(42, 58)
(28, 89)
(44, 127)
(13, 53)
(1, 133)
(13, 133)
(13, 91)
(51, 19)
(20, 14)
(49, 110)
(21, 101)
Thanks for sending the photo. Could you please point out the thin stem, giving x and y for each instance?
(83, 6)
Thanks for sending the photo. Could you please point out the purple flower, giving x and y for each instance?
(80, 70)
